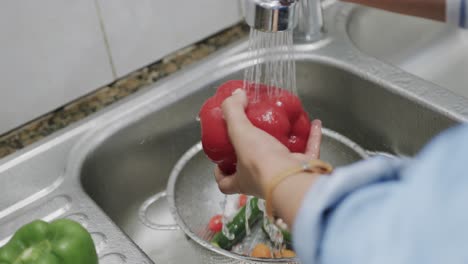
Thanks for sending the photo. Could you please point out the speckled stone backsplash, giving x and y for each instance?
(102, 97)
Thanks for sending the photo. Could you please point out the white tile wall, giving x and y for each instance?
(51, 52)
(54, 51)
(143, 31)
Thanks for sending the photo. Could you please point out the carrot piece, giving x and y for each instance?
(261, 251)
(286, 253)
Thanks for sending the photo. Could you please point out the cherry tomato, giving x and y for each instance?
(216, 223)
(242, 200)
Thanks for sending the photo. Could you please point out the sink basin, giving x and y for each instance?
(428, 49)
(103, 170)
(134, 163)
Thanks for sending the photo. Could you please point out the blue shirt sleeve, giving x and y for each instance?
(387, 210)
(456, 12)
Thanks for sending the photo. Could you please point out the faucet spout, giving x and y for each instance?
(271, 15)
(282, 15)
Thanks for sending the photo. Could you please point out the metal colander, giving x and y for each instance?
(194, 197)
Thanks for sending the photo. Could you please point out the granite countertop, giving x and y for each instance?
(102, 97)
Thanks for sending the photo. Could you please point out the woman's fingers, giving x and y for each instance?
(226, 184)
(234, 108)
(315, 139)
(234, 113)
(218, 174)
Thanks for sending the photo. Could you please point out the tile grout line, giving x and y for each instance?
(106, 39)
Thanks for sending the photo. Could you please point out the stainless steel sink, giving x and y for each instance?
(135, 162)
(101, 170)
(431, 50)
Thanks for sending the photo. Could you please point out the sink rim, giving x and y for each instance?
(353, 12)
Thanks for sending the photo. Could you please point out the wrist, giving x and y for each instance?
(291, 186)
(277, 167)
(287, 197)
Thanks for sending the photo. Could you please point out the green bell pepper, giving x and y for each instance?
(60, 242)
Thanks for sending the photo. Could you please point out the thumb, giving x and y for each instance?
(234, 110)
(315, 140)
(238, 124)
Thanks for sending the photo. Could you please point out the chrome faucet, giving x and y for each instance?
(305, 16)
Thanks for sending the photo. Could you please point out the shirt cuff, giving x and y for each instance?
(457, 12)
(327, 192)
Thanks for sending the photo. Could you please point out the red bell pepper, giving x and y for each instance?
(281, 115)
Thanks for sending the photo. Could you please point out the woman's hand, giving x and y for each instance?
(260, 157)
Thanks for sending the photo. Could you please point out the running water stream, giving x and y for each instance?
(273, 66)
(273, 62)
